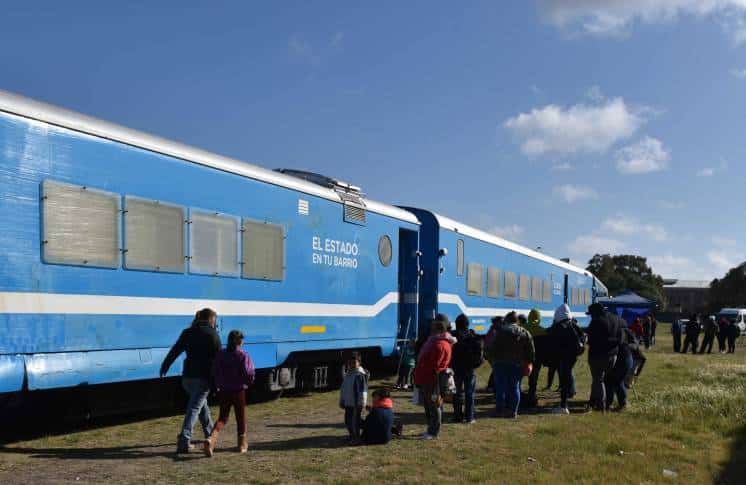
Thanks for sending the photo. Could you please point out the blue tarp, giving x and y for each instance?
(629, 305)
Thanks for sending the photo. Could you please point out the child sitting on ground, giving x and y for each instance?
(378, 426)
(234, 373)
(353, 395)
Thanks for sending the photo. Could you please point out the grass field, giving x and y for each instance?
(688, 417)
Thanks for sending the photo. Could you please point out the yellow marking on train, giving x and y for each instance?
(313, 329)
(478, 328)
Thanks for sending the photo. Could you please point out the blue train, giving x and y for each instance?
(111, 239)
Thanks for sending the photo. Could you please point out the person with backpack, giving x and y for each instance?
(467, 356)
(569, 343)
(432, 362)
(511, 353)
(233, 371)
(201, 343)
(604, 334)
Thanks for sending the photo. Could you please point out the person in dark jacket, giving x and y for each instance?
(692, 335)
(201, 343)
(467, 355)
(711, 331)
(722, 334)
(233, 371)
(733, 333)
(378, 426)
(676, 334)
(653, 329)
(616, 379)
(568, 341)
(604, 334)
(353, 395)
(647, 330)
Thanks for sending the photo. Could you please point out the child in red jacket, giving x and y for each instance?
(433, 359)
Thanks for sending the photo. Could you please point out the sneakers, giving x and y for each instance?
(427, 437)
(471, 421)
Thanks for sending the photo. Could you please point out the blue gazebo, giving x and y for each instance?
(629, 305)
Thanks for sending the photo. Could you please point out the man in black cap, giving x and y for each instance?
(604, 335)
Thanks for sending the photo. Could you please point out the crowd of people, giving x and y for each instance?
(443, 367)
(725, 331)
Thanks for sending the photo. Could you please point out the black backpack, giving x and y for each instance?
(474, 349)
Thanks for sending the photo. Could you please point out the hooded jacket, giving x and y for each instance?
(512, 344)
(354, 391)
(433, 358)
(604, 335)
(233, 370)
(567, 335)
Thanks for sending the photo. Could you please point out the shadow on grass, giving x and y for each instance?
(735, 470)
(102, 453)
(308, 442)
(307, 425)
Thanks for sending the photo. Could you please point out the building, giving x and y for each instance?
(686, 296)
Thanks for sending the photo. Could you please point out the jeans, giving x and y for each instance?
(507, 387)
(550, 377)
(600, 367)
(198, 390)
(721, 341)
(707, 343)
(677, 342)
(618, 385)
(463, 401)
(567, 380)
(732, 343)
(353, 419)
(433, 411)
(236, 400)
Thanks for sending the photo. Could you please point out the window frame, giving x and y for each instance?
(469, 268)
(494, 294)
(190, 239)
(283, 229)
(524, 294)
(460, 257)
(512, 277)
(536, 281)
(386, 237)
(125, 243)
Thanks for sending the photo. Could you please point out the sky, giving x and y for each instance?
(576, 126)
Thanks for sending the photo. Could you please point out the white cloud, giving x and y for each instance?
(628, 226)
(562, 167)
(706, 172)
(581, 128)
(738, 73)
(511, 232)
(723, 241)
(670, 266)
(594, 93)
(647, 155)
(587, 246)
(616, 17)
(671, 204)
(722, 261)
(574, 193)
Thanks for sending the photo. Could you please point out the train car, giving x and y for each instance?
(465, 270)
(111, 239)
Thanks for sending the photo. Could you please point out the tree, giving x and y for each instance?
(729, 291)
(628, 272)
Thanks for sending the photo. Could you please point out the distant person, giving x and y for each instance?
(201, 343)
(496, 322)
(733, 333)
(407, 366)
(353, 395)
(511, 353)
(638, 329)
(647, 330)
(653, 329)
(378, 425)
(569, 342)
(711, 331)
(723, 326)
(604, 334)
(233, 371)
(432, 362)
(467, 356)
(676, 334)
(692, 335)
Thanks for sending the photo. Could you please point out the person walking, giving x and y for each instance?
(723, 325)
(467, 356)
(616, 379)
(201, 343)
(733, 333)
(647, 330)
(638, 329)
(569, 342)
(432, 361)
(234, 372)
(604, 334)
(711, 331)
(653, 329)
(676, 334)
(511, 353)
(692, 335)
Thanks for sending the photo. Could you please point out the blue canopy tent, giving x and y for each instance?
(629, 305)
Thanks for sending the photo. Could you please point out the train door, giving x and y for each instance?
(409, 269)
(567, 288)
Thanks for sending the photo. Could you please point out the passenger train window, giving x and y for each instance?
(547, 291)
(80, 226)
(263, 251)
(493, 282)
(511, 290)
(460, 257)
(535, 289)
(153, 235)
(523, 288)
(213, 244)
(475, 279)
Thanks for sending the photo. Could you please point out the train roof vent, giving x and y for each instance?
(350, 195)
